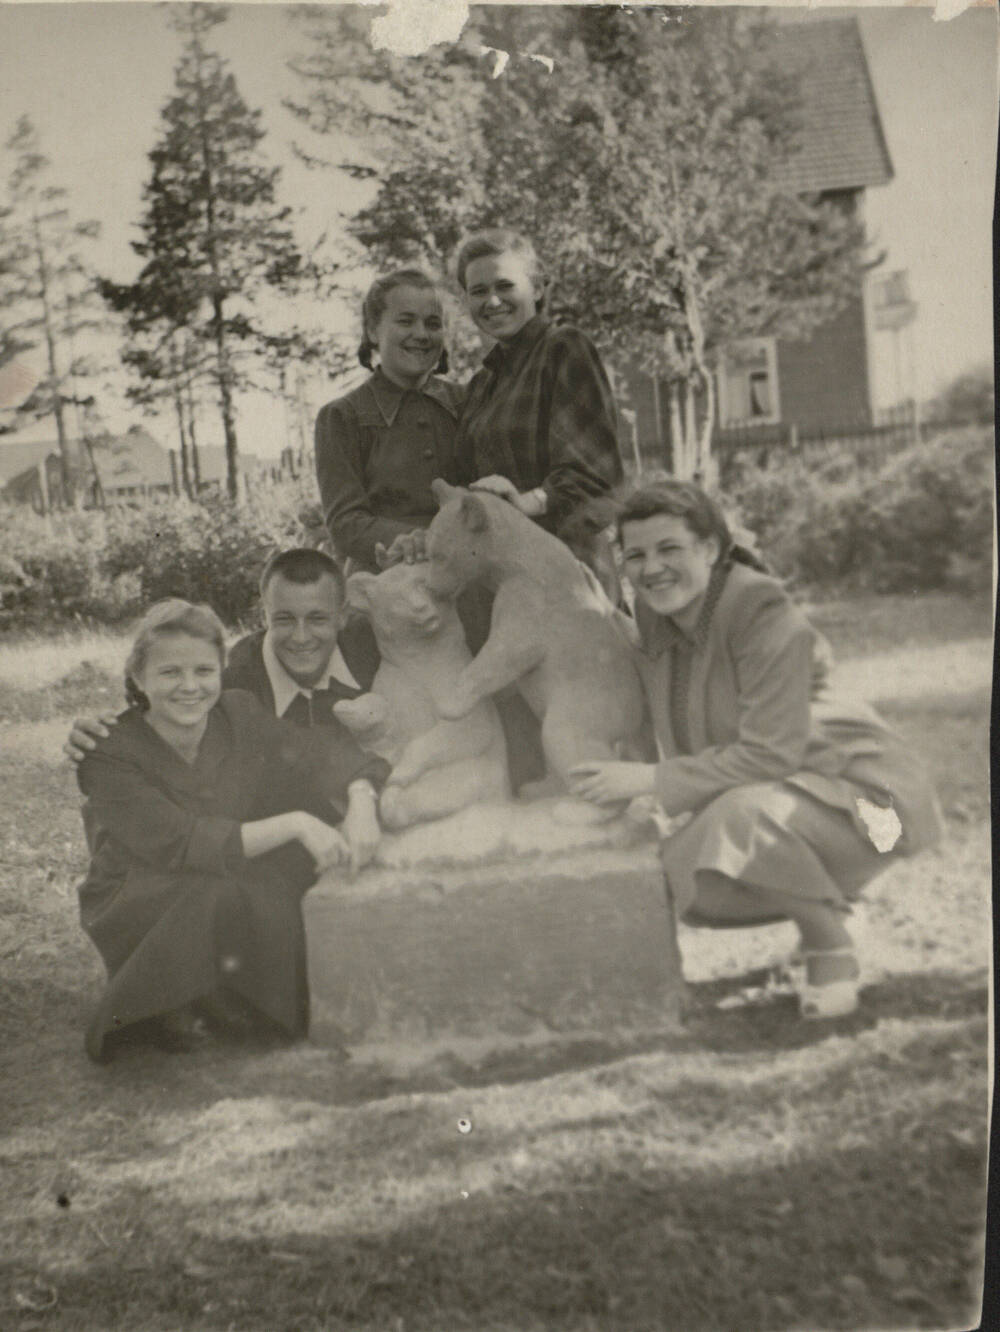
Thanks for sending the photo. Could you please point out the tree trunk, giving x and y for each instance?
(657, 412)
(65, 457)
(708, 464)
(226, 400)
(702, 466)
(192, 436)
(676, 431)
(690, 432)
(301, 416)
(185, 468)
(223, 368)
(176, 383)
(99, 498)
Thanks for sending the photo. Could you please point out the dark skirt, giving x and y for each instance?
(170, 939)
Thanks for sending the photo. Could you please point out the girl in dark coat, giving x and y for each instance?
(192, 900)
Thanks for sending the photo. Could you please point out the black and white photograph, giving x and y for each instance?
(497, 575)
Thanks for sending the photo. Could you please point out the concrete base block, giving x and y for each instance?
(560, 931)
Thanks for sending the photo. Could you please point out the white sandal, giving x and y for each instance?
(837, 998)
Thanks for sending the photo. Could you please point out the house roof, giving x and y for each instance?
(16, 458)
(124, 462)
(841, 141)
(132, 459)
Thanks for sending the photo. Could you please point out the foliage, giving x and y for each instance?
(968, 398)
(104, 567)
(46, 290)
(213, 238)
(648, 171)
(51, 572)
(924, 519)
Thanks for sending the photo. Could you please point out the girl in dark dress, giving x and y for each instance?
(379, 447)
(192, 901)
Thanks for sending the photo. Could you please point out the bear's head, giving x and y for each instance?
(458, 539)
(400, 605)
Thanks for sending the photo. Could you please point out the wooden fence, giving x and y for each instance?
(867, 446)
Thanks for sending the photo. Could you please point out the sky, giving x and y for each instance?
(93, 78)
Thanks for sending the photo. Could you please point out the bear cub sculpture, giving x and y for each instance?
(553, 632)
(440, 763)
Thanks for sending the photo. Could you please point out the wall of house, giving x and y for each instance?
(823, 383)
(636, 394)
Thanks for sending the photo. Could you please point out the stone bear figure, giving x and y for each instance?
(552, 630)
(440, 764)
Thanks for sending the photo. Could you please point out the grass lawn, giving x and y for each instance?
(751, 1173)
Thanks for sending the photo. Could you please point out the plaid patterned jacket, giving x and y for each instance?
(541, 413)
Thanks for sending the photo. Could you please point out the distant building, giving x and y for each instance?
(769, 385)
(128, 466)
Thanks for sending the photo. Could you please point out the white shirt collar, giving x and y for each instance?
(285, 689)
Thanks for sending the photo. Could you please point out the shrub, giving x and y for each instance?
(922, 520)
(50, 570)
(210, 551)
(105, 566)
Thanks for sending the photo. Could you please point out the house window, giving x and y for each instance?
(748, 383)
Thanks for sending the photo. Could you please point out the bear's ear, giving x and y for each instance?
(357, 591)
(473, 513)
(443, 492)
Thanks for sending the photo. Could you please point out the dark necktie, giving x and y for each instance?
(299, 711)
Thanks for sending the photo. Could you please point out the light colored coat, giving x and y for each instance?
(754, 714)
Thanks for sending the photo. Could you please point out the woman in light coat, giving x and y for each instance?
(794, 800)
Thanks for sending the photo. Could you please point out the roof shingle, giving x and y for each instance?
(842, 144)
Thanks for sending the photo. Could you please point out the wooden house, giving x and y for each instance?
(128, 467)
(770, 388)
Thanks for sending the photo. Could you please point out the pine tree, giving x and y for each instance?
(213, 237)
(47, 292)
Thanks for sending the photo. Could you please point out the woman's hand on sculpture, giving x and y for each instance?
(326, 845)
(501, 486)
(85, 734)
(407, 548)
(532, 503)
(612, 781)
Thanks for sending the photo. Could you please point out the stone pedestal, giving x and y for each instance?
(494, 926)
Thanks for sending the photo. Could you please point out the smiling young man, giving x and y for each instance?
(308, 656)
